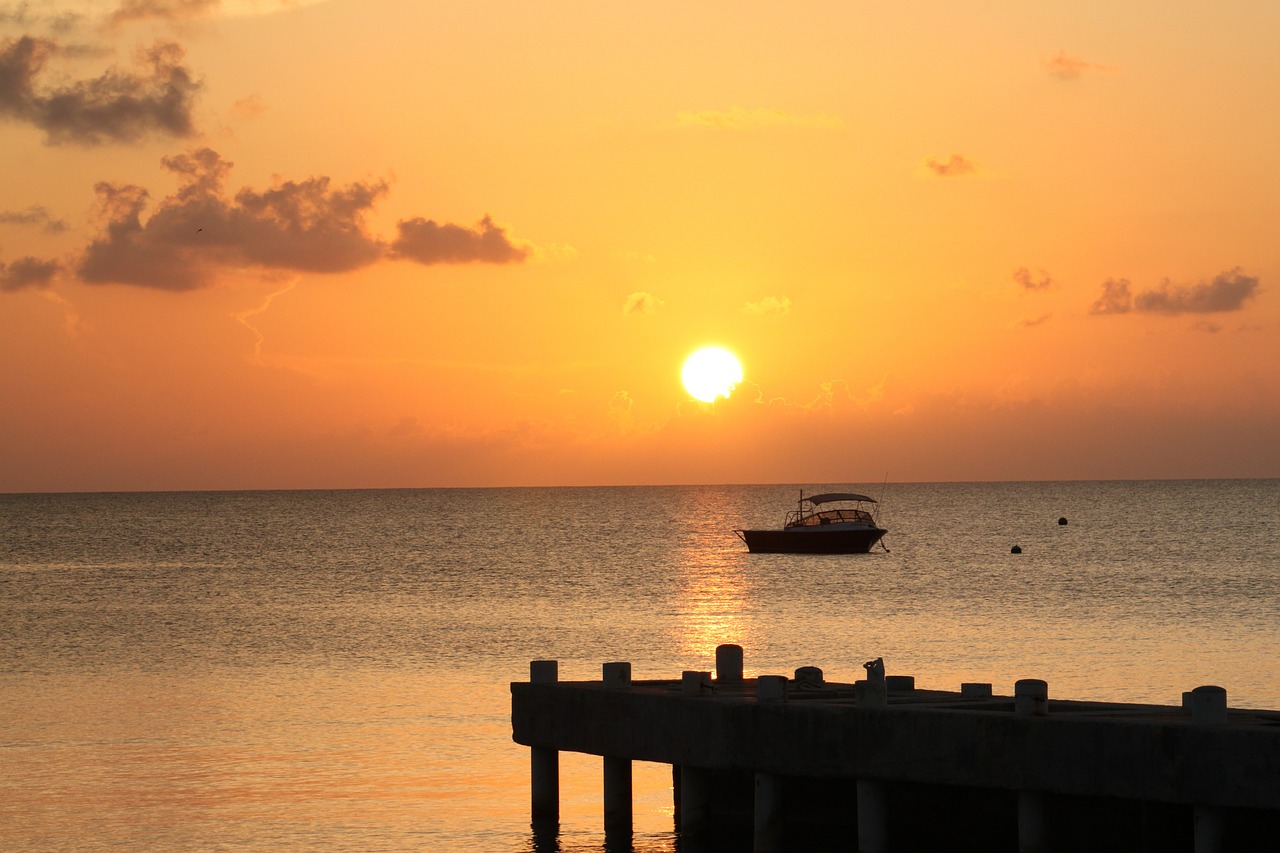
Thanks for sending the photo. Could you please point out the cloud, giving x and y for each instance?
(1068, 68)
(954, 167)
(117, 106)
(311, 225)
(1228, 291)
(1115, 298)
(173, 11)
(1032, 322)
(642, 302)
(770, 306)
(27, 273)
(740, 118)
(429, 242)
(1023, 276)
(34, 215)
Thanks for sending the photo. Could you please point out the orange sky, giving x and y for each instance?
(362, 244)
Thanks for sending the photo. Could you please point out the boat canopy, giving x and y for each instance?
(838, 496)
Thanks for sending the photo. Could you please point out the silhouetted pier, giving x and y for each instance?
(801, 763)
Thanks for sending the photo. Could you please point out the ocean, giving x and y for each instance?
(329, 670)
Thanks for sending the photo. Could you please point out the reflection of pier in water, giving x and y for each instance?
(878, 765)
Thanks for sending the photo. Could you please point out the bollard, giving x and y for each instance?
(900, 683)
(729, 664)
(694, 683)
(771, 688)
(1031, 698)
(809, 677)
(617, 676)
(975, 690)
(1207, 704)
(544, 764)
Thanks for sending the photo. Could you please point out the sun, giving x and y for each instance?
(711, 372)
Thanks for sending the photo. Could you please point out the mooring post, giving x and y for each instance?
(769, 832)
(728, 664)
(617, 769)
(1031, 699)
(1208, 707)
(544, 763)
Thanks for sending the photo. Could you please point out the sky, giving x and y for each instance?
(278, 245)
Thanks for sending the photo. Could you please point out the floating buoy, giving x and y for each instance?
(1063, 520)
(1016, 549)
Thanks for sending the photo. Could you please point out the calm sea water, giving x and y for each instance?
(294, 671)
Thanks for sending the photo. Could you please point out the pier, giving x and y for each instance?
(796, 762)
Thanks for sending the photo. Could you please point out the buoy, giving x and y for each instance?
(1016, 549)
(1062, 520)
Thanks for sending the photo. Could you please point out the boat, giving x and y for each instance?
(833, 523)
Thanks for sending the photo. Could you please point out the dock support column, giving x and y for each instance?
(1208, 707)
(728, 664)
(769, 833)
(1031, 699)
(617, 770)
(873, 817)
(695, 801)
(544, 764)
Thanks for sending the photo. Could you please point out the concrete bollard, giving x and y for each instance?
(771, 688)
(809, 677)
(617, 676)
(729, 664)
(900, 683)
(975, 690)
(1207, 704)
(1031, 698)
(694, 683)
(544, 764)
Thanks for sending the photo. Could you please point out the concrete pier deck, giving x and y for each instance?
(895, 767)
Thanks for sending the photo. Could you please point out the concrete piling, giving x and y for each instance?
(769, 832)
(1031, 699)
(873, 817)
(544, 763)
(728, 664)
(1208, 707)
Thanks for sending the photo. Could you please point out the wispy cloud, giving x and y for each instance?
(1067, 68)
(1227, 291)
(1024, 278)
(34, 215)
(643, 303)
(171, 11)
(740, 118)
(770, 306)
(119, 105)
(955, 166)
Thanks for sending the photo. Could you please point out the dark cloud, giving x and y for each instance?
(34, 215)
(1115, 298)
(299, 226)
(951, 168)
(27, 273)
(1023, 276)
(1227, 291)
(303, 226)
(117, 106)
(428, 242)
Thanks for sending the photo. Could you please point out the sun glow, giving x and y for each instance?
(711, 372)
